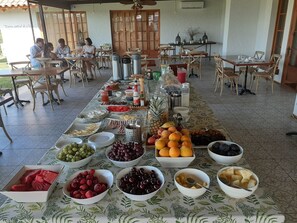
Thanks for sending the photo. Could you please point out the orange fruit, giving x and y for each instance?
(165, 133)
(187, 144)
(185, 138)
(171, 129)
(174, 136)
(172, 143)
(166, 140)
(160, 144)
(185, 132)
(164, 152)
(174, 152)
(186, 151)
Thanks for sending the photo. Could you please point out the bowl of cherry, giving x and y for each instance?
(125, 154)
(140, 183)
(88, 186)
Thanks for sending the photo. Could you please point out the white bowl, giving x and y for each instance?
(101, 139)
(65, 141)
(79, 163)
(221, 159)
(31, 196)
(104, 176)
(124, 164)
(144, 197)
(236, 192)
(174, 162)
(192, 192)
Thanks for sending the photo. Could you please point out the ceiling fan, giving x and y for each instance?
(138, 4)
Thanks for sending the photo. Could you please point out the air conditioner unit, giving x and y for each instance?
(192, 5)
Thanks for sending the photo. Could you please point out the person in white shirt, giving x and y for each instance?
(62, 49)
(89, 52)
(36, 51)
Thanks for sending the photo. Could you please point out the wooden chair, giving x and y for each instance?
(3, 100)
(257, 56)
(195, 65)
(225, 74)
(21, 65)
(76, 69)
(59, 81)
(217, 60)
(43, 85)
(268, 73)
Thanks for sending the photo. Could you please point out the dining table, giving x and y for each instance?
(168, 205)
(245, 61)
(13, 73)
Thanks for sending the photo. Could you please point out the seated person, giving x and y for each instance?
(36, 51)
(48, 48)
(89, 51)
(62, 49)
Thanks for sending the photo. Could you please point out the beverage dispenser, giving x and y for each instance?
(126, 63)
(136, 63)
(116, 68)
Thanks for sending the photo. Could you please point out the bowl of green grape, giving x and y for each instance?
(76, 155)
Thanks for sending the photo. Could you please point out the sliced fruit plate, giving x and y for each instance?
(82, 130)
(92, 116)
(119, 109)
(33, 183)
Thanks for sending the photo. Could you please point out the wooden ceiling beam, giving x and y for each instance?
(53, 3)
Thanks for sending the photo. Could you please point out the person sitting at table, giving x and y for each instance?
(48, 51)
(62, 49)
(36, 51)
(89, 51)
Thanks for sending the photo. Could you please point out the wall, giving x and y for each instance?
(173, 19)
(17, 34)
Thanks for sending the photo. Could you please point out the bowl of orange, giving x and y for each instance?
(174, 148)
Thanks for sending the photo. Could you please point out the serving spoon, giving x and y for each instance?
(192, 182)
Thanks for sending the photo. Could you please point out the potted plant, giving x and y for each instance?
(192, 32)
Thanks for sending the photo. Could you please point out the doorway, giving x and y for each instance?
(289, 77)
(132, 29)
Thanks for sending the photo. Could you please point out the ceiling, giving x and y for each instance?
(66, 4)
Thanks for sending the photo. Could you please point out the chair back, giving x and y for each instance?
(20, 64)
(259, 54)
(275, 59)
(219, 65)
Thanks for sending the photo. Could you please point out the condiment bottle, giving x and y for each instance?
(104, 96)
(136, 98)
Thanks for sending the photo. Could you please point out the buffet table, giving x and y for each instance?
(167, 206)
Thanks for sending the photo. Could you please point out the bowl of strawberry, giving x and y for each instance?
(88, 186)
(33, 183)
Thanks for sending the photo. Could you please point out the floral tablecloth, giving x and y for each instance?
(169, 205)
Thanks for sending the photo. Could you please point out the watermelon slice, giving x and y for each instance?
(20, 187)
(40, 186)
(49, 176)
(29, 176)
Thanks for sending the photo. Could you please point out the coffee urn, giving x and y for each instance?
(116, 67)
(136, 63)
(126, 63)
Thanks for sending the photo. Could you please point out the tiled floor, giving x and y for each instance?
(258, 123)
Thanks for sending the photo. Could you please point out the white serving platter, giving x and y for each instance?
(82, 129)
